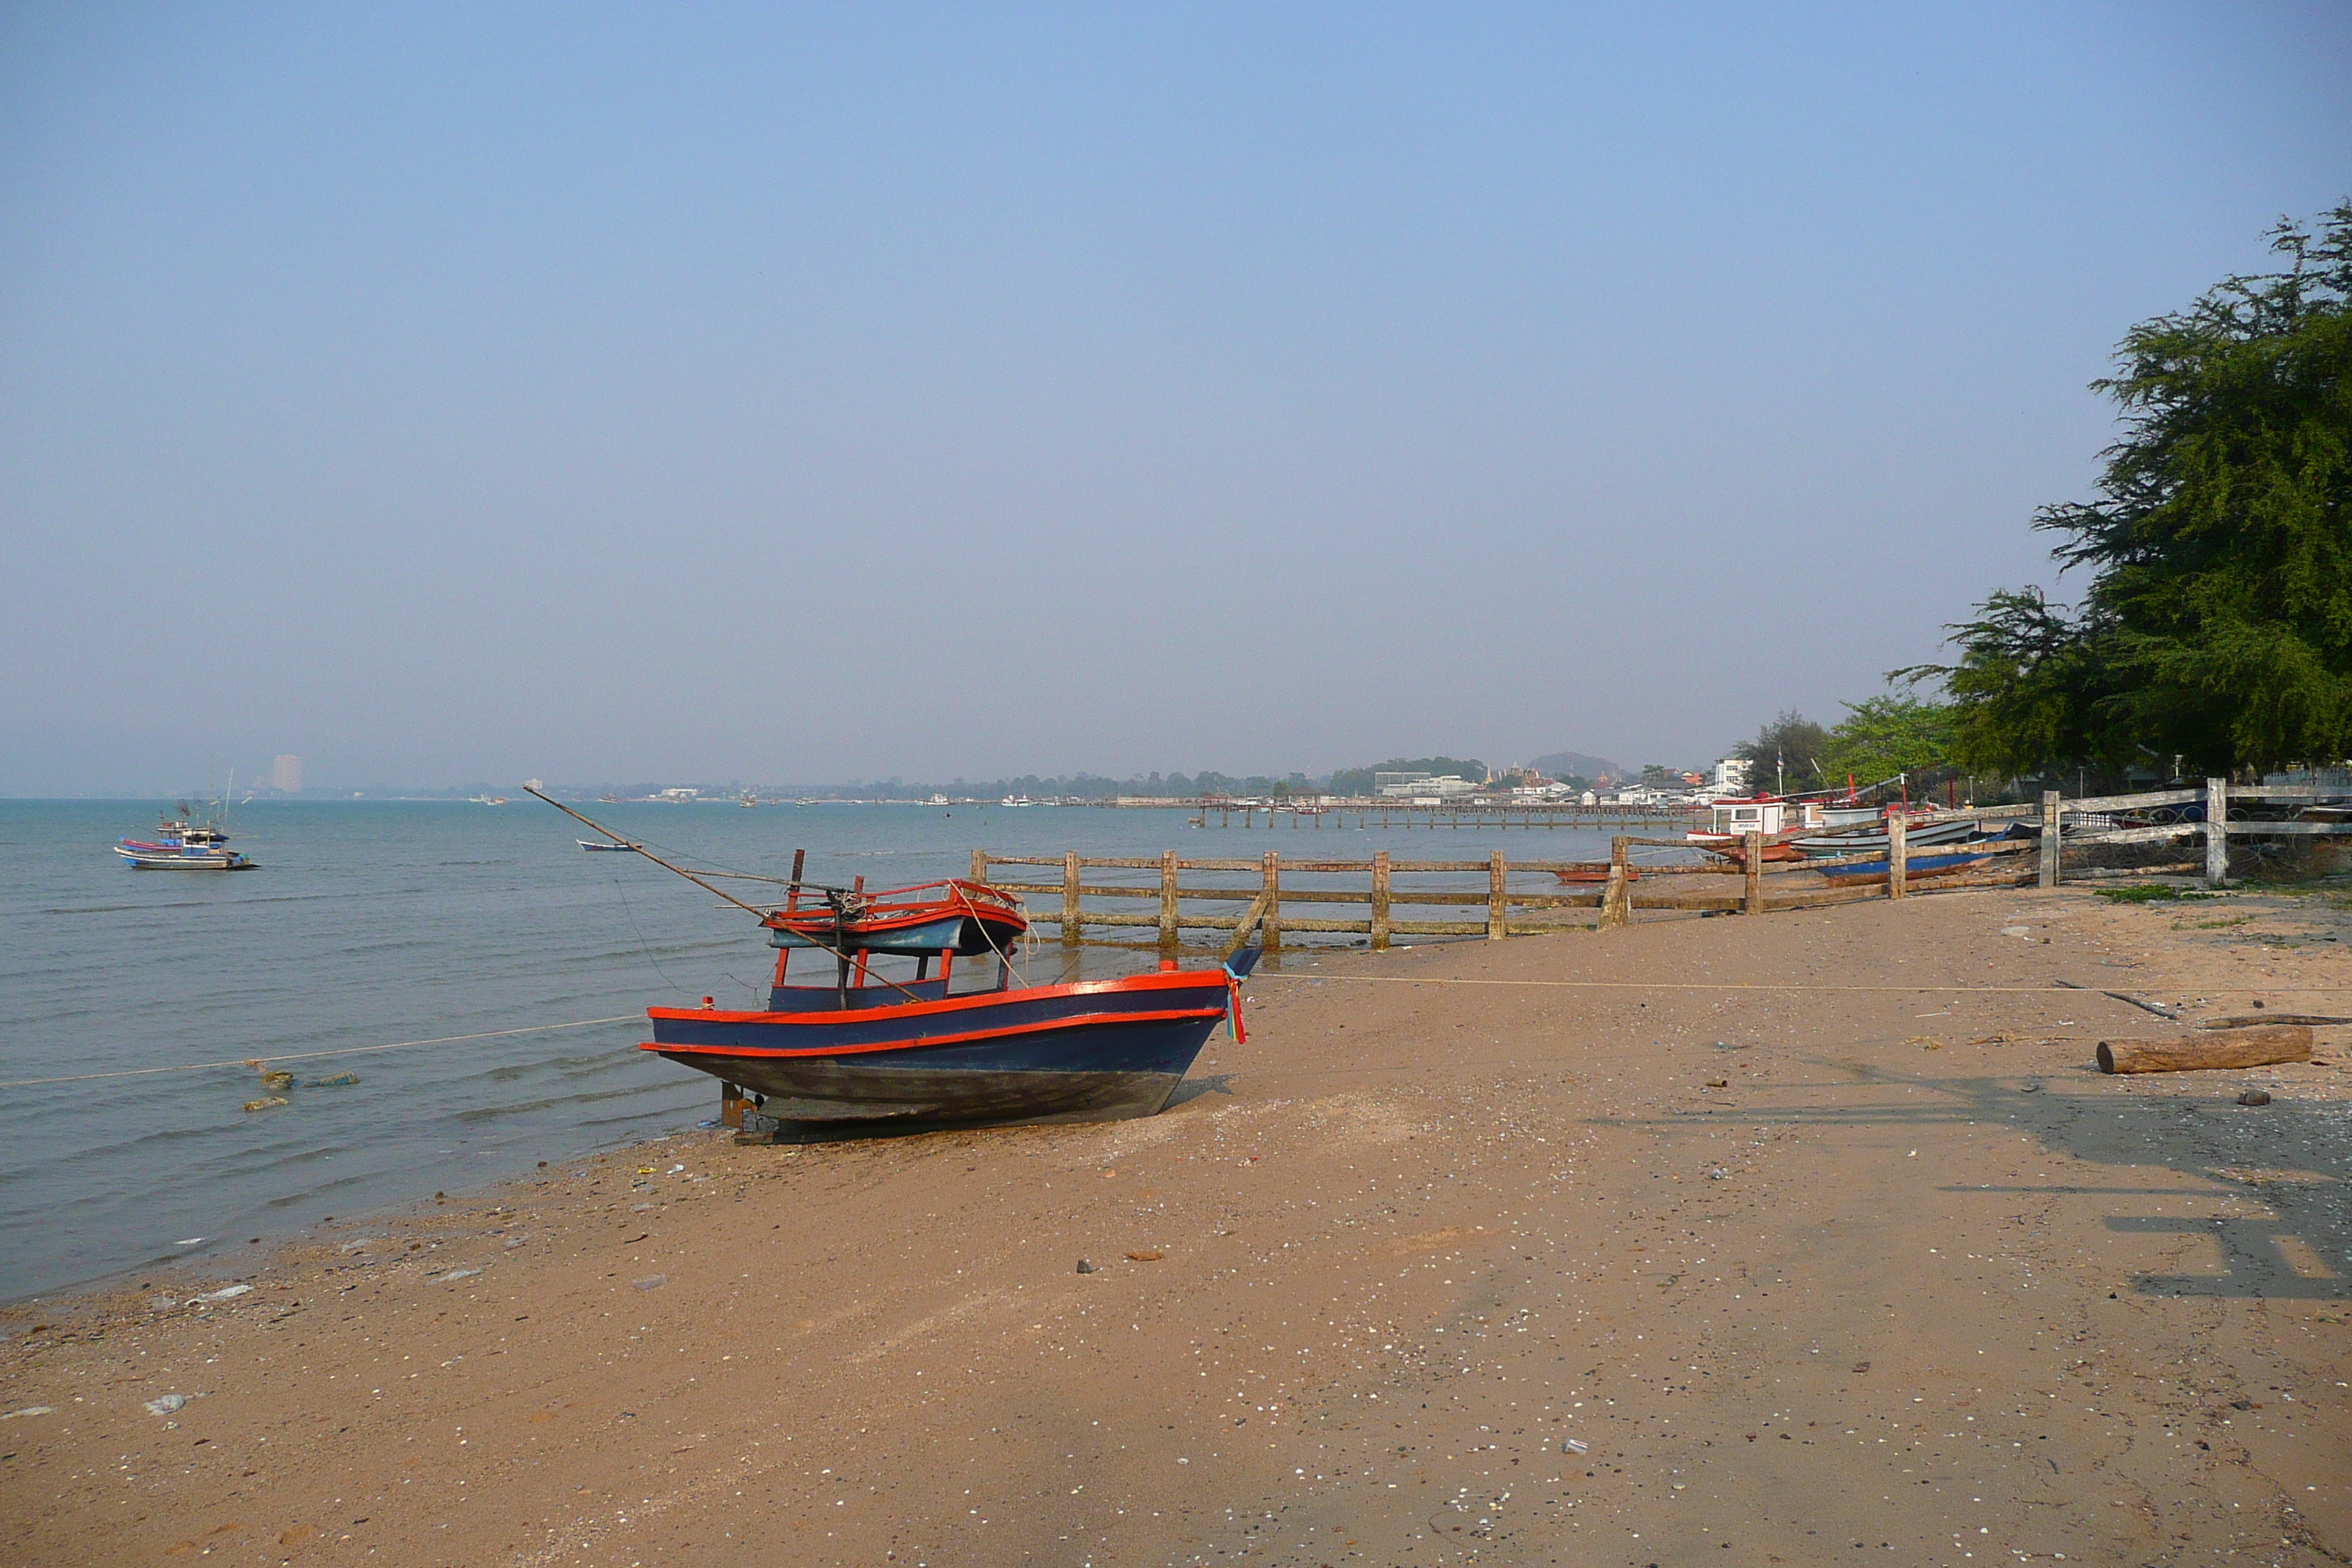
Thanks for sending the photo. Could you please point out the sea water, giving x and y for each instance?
(375, 923)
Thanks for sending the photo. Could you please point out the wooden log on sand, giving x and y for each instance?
(2255, 1047)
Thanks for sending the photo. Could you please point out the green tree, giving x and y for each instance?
(2217, 624)
(1882, 736)
(1787, 753)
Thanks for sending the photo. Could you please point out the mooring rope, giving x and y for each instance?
(313, 1056)
(1744, 985)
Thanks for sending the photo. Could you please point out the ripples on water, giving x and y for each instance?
(371, 922)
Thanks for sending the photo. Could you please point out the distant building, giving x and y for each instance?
(286, 773)
(1418, 787)
(678, 794)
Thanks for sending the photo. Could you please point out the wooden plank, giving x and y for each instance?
(1168, 903)
(980, 866)
(2051, 841)
(1826, 896)
(1498, 917)
(1071, 892)
(2141, 802)
(1898, 855)
(2216, 832)
(2259, 1047)
(1380, 922)
(1270, 889)
(2134, 835)
(1752, 862)
(2284, 829)
(1616, 908)
(1242, 927)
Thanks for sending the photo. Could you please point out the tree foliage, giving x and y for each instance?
(1787, 752)
(2217, 624)
(1881, 736)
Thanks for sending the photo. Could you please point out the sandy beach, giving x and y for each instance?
(1803, 1239)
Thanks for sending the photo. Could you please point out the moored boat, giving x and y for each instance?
(967, 919)
(182, 845)
(1092, 1051)
(871, 1049)
(1861, 873)
(1731, 820)
(1584, 876)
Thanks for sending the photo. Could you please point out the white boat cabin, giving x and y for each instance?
(1738, 816)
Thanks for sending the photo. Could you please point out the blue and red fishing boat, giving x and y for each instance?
(858, 1048)
(182, 845)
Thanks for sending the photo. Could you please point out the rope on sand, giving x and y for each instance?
(2074, 991)
(313, 1056)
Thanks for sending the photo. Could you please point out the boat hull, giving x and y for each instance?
(1823, 848)
(962, 935)
(1916, 867)
(144, 859)
(1088, 1052)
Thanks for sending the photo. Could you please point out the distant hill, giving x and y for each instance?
(1559, 764)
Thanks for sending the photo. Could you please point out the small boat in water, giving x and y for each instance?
(967, 919)
(182, 845)
(861, 1050)
(619, 849)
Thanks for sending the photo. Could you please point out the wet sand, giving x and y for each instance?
(1451, 1262)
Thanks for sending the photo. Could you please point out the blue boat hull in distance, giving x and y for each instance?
(1913, 866)
(1098, 1050)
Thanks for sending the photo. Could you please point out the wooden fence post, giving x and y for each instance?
(1499, 916)
(1752, 862)
(1381, 899)
(1270, 882)
(979, 865)
(2051, 848)
(2216, 832)
(1898, 854)
(1070, 917)
(1616, 899)
(1168, 903)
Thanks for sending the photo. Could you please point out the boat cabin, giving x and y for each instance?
(1736, 816)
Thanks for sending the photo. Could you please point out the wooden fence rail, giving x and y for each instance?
(1616, 893)
(1269, 904)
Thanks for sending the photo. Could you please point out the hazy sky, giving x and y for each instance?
(656, 393)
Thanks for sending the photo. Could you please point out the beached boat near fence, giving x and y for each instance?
(868, 1049)
(1093, 1051)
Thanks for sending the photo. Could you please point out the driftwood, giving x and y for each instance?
(2253, 1047)
(2312, 1020)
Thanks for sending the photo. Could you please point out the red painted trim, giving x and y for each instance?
(1178, 980)
(997, 1033)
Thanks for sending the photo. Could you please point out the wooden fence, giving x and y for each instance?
(1399, 815)
(1261, 906)
(2094, 823)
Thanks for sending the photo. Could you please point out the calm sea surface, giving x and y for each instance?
(369, 924)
